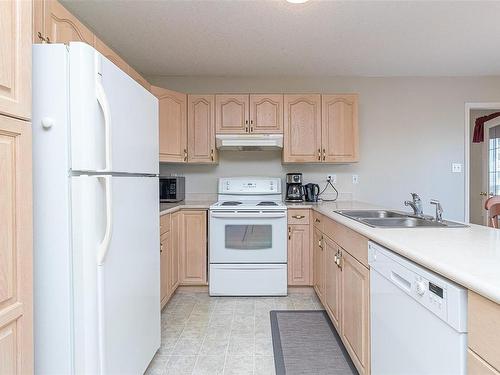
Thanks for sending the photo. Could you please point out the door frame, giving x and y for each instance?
(467, 132)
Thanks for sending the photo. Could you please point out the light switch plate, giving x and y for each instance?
(333, 178)
(456, 168)
(355, 179)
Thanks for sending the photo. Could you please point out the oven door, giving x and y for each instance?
(248, 237)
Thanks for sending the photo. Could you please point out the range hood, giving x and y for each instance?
(249, 142)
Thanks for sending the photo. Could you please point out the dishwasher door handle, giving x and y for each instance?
(401, 281)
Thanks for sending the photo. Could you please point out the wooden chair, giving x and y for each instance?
(492, 205)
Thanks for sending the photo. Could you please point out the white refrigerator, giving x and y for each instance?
(96, 219)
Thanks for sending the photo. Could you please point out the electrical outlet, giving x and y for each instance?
(332, 178)
(355, 179)
(456, 167)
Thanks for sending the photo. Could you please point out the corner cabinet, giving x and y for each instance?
(201, 129)
(339, 128)
(172, 125)
(302, 128)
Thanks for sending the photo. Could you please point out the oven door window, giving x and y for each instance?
(249, 237)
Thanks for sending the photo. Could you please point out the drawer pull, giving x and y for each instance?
(317, 220)
(298, 216)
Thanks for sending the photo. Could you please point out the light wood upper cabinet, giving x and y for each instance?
(333, 280)
(201, 129)
(355, 311)
(302, 128)
(15, 58)
(299, 255)
(60, 26)
(232, 115)
(266, 113)
(173, 126)
(318, 263)
(193, 247)
(111, 55)
(16, 269)
(339, 128)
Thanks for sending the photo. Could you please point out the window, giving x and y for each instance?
(494, 160)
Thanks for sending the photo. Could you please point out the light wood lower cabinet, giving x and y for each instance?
(478, 366)
(193, 247)
(299, 255)
(333, 282)
(355, 311)
(16, 268)
(319, 264)
(484, 331)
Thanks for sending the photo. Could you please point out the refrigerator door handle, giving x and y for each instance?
(103, 102)
(104, 245)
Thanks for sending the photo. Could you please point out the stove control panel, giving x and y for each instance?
(250, 185)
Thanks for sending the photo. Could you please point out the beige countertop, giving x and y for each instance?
(469, 256)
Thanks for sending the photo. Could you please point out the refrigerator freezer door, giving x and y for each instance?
(116, 272)
(114, 120)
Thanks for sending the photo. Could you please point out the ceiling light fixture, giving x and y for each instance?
(297, 1)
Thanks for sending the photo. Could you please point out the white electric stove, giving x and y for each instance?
(248, 246)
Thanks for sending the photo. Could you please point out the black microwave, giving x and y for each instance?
(172, 189)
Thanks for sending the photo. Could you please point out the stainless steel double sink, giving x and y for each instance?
(396, 219)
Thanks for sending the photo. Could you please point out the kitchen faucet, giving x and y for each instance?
(439, 210)
(416, 204)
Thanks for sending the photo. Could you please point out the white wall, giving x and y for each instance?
(411, 130)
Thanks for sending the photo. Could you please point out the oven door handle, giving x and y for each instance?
(246, 215)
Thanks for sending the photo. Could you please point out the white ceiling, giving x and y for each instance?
(273, 37)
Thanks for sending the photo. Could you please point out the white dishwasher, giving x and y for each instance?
(418, 318)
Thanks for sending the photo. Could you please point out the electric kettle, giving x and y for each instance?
(311, 192)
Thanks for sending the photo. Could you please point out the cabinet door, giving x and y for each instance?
(302, 128)
(339, 128)
(333, 280)
(355, 311)
(174, 251)
(231, 116)
(16, 270)
(299, 244)
(201, 129)
(266, 113)
(173, 125)
(63, 27)
(164, 267)
(15, 58)
(193, 246)
(111, 55)
(318, 260)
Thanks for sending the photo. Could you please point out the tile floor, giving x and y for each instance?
(221, 335)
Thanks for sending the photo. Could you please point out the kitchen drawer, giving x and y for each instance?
(484, 328)
(298, 216)
(318, 220)
(164, 223)
(351, 241)
(477, 366)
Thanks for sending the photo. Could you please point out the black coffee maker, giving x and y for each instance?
(294, 188)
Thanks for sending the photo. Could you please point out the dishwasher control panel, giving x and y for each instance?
(443, 297)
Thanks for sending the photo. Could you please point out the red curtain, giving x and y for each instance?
(479, 127)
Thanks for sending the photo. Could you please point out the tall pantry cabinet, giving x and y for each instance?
(16, 272)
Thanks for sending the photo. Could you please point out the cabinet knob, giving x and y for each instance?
(317, 220)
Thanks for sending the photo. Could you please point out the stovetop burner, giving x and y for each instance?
(267, 203)
(230, 203)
